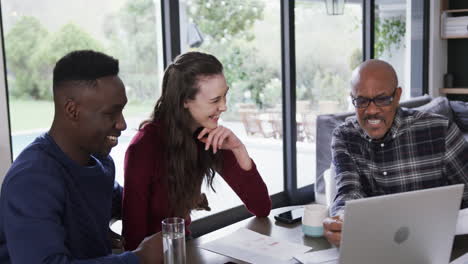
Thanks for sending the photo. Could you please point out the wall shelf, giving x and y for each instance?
(454, 90)
(456, 10)
(458, 37)
(455, 14)
(446, 14)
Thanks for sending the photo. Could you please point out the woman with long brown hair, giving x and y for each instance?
(180, 146)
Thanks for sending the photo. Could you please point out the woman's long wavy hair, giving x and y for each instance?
(188, 162)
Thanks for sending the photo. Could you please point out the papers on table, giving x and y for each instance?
(250, 246)
(462, 222)
(327, 256)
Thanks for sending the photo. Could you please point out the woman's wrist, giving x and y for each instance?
(242, 157)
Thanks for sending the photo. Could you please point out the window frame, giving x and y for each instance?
(6, 153)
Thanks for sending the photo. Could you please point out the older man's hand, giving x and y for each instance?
(332, 229)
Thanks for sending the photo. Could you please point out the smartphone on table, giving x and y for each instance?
(291, 216)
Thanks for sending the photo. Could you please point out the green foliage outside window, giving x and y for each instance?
(226, 27)
(389, 32)
(226, 19)
(318, 82)
(131, 32)
(20, 43)
(69, 38)
(31, 53)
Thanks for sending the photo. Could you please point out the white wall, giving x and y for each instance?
(5, 144)
(437, 51)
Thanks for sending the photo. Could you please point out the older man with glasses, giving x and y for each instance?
(386, 149)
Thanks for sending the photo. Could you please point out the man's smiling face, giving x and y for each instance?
(375, 80)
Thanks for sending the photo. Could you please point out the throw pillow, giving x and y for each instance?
(460, 111)
(439, 105)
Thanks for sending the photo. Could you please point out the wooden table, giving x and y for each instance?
(270, 227)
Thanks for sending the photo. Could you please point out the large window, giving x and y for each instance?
(245, 35)
(328, 48)
(38, 33)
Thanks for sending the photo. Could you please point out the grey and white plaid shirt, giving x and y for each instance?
(420, 151)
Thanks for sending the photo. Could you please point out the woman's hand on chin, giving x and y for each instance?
(219, 138)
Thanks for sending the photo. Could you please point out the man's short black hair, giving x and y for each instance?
(84, 66)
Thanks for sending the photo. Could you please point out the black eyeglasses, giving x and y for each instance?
(363, 102)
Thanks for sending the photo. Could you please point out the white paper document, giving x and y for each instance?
(327, 256)
(462, 222)
(252, 247)
(461, 260)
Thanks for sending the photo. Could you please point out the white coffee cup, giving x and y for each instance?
(314, 214)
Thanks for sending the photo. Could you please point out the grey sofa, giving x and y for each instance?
(454, 110)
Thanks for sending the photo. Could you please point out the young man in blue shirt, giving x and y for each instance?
(59, 195)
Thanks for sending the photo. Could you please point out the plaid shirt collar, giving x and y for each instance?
(397, 127)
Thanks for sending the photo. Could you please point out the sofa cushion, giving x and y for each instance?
(325, 126)
(416, 101)
(439, 105)
(460, 112)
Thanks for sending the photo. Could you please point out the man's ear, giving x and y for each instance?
(398, 94)
(71, 109)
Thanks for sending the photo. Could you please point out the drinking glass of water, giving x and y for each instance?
(173, 233)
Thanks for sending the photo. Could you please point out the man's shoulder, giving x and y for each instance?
(411, 117)
(34, 156)
(349, 127)
(34, 165)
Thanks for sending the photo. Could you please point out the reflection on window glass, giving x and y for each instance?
(328, 48)
(392, 40)
(38, 33)
(245, 36)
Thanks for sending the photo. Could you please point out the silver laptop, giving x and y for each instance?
(411, 227)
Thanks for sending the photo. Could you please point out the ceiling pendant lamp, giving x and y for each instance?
(335, 7)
